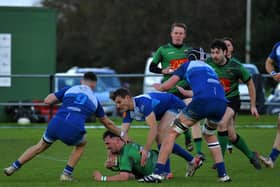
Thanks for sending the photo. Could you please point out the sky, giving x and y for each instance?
(19, 2)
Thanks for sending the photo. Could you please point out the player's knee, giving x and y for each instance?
(209, 129)
(179, 127)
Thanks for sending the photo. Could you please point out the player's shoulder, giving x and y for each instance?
(235, 63)
(165, 46)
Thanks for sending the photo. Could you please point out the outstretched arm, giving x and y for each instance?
(122, 176)
(51, 99)
(151, 121)
(167, 84)
(110, 125)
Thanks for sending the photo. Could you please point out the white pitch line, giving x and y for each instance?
(51, 158)
(264, 126)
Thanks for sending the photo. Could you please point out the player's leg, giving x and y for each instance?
(197, 139)
(240, 143)
(164, 125)
(29, 154)
(270, 160)
(188, 133)
(74, 158)
(213, 143)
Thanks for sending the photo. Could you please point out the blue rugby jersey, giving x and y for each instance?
(202, 79)
(79, 101)
(157, 102)
(275, 54)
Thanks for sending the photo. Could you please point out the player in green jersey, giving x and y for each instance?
(230, 72)
(230, 49)
(171, 56)
(125, 159)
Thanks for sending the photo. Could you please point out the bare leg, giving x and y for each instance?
(276, 144)
(34, 150)
(167, 146)
(76, 154)
(215, 150)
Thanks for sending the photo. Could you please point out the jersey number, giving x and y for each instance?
(80, 99)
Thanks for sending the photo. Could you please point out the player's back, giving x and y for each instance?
(78, 101)
(203, 80)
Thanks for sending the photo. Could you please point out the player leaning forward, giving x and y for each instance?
(208, 101)
(68, 125)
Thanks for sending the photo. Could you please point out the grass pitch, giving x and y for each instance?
(45, 169)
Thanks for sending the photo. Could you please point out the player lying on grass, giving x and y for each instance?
(125, 159)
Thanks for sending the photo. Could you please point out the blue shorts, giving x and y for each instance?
(212, 109)
(69, 131)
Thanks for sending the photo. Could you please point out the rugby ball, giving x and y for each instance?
(23, 121)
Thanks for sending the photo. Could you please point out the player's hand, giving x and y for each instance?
(97, 175)
(144, 156)
(187, 93)
(111, 162)
(277, 77)
(255, 112)
(157, 86)
(126, 139)
(167, 71)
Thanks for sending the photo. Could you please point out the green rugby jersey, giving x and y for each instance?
(169, 55)
(130, 160)
(230, 74)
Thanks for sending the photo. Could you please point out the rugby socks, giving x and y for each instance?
(242, 146)
(188, 137)
(167, 168)
(159, 169)
(178, 150)
(68, 170)
(223, 140)
(274, 154)
(16, 164)
(221, 169)
(197, 144)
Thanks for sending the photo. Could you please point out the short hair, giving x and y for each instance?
(110, 134)
(219, 44)
(90, 76)
(176, 24)
(122, 92)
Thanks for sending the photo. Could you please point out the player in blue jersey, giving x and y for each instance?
(273, 61)
(153, 107)
(208, 101)
(68, 125)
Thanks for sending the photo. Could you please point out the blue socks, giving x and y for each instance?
(16, 164)
(178, 150)
(274, 154)
(167, 168)
(159, 169)
(68, 170)
(221, 169)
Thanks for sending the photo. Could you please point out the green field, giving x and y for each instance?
(45, 169)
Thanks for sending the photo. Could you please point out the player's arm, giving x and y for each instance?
(124, 132)
(167, 84)
(109, 124)
(151, 121)
(252, 94)
(51, 99)
(122, 176)
(187, 93)
(269, 67)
